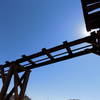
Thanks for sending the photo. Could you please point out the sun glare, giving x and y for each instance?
(84, 32)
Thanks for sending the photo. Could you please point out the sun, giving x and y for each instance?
(84, 32)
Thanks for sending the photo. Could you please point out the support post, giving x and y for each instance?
(20, 81)
(6, 84)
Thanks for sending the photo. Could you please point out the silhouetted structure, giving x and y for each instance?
(26, 63)
(91, 13)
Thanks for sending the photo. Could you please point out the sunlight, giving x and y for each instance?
(84, 32)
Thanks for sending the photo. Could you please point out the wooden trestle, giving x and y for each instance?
(19, 70)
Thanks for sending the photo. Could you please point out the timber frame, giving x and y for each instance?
(19, 70)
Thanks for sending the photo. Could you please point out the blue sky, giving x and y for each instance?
(27, 26)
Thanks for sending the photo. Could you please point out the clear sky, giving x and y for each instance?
(27, 26)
